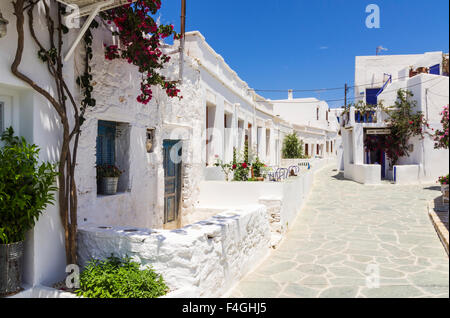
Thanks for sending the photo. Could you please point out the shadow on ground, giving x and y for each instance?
(434, 188)
(339, 176)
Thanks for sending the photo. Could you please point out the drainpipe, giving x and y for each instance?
(182, 40)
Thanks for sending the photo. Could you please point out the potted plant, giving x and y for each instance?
(26, 188)
(108, 177)
(444, 188)
(257, 168)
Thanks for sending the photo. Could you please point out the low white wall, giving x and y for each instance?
(286, 163)
(406, 174)
(283, 199)
(365, 174)
(214, 173)
(207, 257)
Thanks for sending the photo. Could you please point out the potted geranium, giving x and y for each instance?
(26, 188)
(444, 188)
(108, 178)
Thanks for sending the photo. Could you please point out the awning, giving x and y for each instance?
(88, 8)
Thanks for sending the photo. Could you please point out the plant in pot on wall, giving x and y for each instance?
(444, 188)
(441, 138)
(257, 170)
(26, 188)
(108, 179)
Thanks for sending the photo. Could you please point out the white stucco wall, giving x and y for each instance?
(33, 117)
(206, 258)
(406, 174)
(370, 70)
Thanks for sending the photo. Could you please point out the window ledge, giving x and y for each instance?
(118, 194)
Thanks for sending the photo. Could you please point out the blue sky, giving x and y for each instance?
(309, 44)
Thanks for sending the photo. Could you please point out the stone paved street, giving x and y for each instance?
(343, 228)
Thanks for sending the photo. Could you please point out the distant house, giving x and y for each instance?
(315, 124)
(377, 79)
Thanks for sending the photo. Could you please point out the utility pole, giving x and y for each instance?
(346, 89)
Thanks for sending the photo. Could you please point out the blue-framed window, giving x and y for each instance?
(106, 143)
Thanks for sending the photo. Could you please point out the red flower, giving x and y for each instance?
(234, 167)
(244, 165)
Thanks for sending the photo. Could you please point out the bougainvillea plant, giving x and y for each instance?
(444, 180)
(140, 44)
(441, 136)
(403, 123)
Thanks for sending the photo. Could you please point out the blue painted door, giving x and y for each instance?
(172, 179)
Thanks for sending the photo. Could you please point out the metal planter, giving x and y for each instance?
(445, 193)
(11, 260)
(108, 186)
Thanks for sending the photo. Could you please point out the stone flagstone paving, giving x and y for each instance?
(345, 227)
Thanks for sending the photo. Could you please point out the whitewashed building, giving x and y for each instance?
(377, 79)
(313, 121)
(217, 114)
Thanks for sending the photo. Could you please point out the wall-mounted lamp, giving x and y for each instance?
(3, 24)
(150, 140)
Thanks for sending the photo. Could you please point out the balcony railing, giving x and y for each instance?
(368, 117)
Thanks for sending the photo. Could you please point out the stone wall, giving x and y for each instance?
(206, 258)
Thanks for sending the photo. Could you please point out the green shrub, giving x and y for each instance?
(292, 147)
(26, 187)
(120, 278)
(258, 167)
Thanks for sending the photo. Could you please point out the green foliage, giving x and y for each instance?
(26, 187)
(246, 156)
(292, 147)
(240, 165)
(108, 171)
(404, 123)
(257, 168)
(120, 278)
(84, 80)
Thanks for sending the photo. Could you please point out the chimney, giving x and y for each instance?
(290, 94)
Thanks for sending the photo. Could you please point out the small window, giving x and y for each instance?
(113, 148)
(106, 143)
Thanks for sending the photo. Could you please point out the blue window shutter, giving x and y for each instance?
(435, 69)
(106, 141)
(371, 96)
